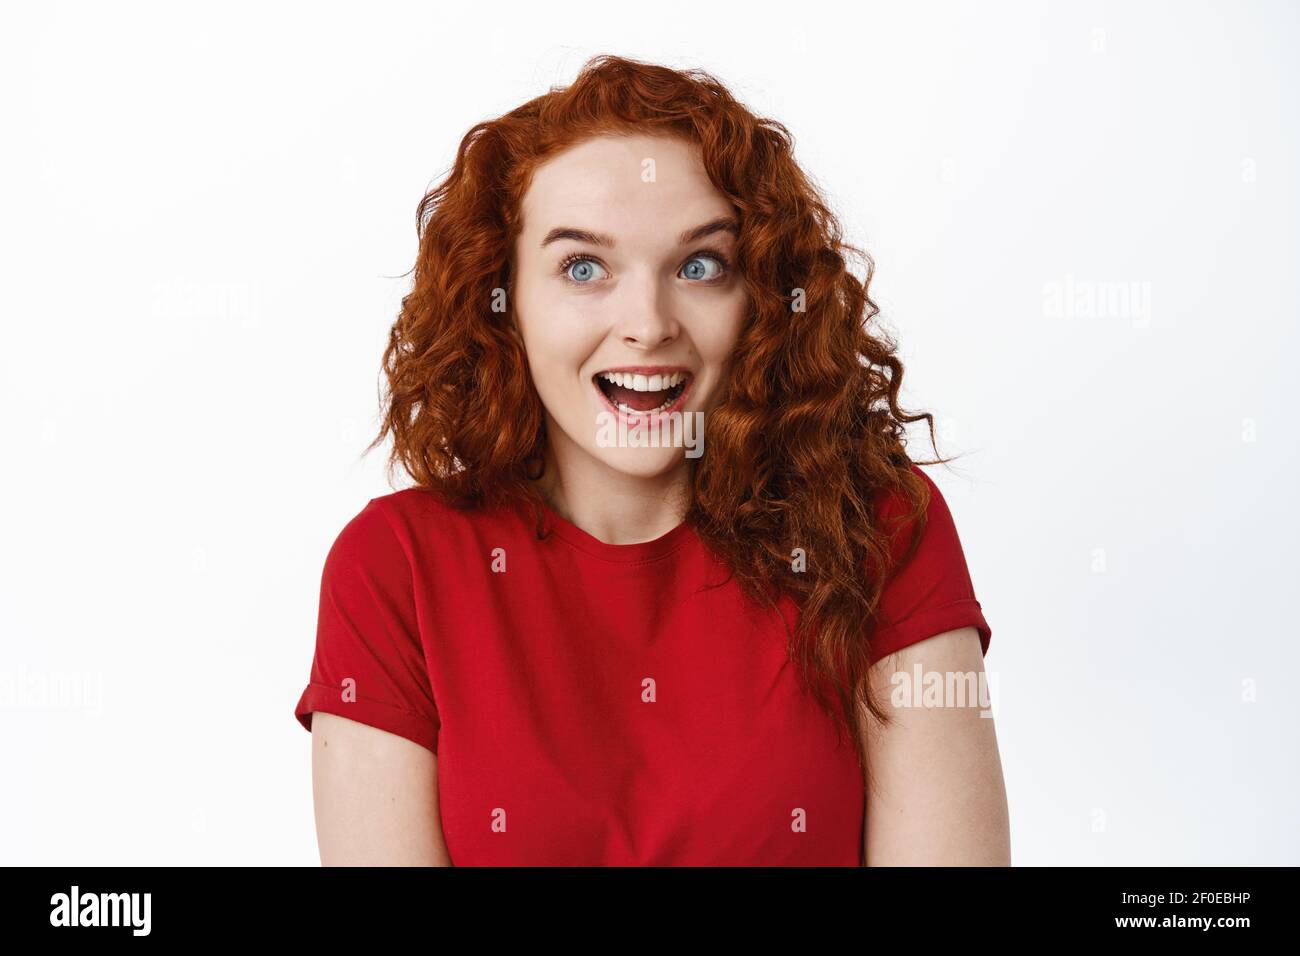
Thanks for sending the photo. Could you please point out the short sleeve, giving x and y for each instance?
(369, 664)
(931, 592)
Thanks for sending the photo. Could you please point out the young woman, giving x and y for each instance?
(570, 643)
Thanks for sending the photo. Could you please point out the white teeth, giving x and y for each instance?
(643, 383)
(646, 383)
(636, 411)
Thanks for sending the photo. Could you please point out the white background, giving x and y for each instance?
(206, 216)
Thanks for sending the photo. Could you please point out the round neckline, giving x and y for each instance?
(571, 534)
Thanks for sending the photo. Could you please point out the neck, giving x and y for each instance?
(610, 505)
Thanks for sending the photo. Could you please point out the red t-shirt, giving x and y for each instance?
(591, 703)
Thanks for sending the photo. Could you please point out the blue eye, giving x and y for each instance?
(578, 269)
(696, 272)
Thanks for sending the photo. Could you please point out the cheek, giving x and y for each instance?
(557, 339)
(715, 338)
(560, 344)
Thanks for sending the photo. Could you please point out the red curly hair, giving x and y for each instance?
(807, 436)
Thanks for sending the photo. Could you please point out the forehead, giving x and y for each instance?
(620, 184)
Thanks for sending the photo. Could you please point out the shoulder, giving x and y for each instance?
(412, 503)
(929, 589)
(383, 522)
(367, 543)
(896, 513)
(397, 537)
(418, 510)
(426, 528)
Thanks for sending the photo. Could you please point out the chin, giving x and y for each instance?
(640, 462)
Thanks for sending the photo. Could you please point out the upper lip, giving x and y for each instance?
(647, 369)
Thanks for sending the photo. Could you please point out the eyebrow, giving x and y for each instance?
(721, 224)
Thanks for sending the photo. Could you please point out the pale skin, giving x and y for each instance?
(376, 796)
(939, 796)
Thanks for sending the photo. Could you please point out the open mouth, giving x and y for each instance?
(637, 394)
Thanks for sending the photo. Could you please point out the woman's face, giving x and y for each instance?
(627, 298)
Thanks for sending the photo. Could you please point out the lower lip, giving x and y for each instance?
(640, 418)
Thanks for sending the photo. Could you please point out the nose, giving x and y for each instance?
(646, 320)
